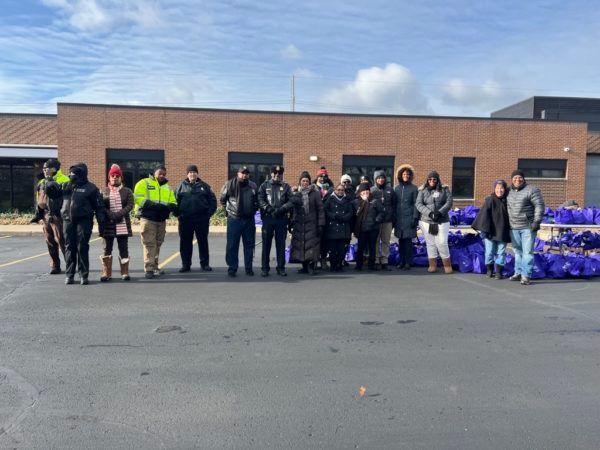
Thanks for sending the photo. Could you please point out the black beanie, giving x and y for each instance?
(52, 164)
(191, 168)
(434, 174)
(160, 167)
(517, 172)
(363, 187)
(305, 174)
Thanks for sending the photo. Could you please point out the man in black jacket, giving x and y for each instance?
(274, 202)
(239, 197)
(81, 200)
(385, 193)
(196, 203)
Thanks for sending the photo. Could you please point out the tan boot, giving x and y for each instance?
(432, 265)
(447, 265)
(106, 268)
(124, 269)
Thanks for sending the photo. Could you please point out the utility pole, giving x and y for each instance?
(293, 105)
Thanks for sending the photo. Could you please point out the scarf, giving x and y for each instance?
(116, 206)
(361, 215)
(305, 199)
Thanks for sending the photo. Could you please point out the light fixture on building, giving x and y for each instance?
(313, 158)
(567, 149)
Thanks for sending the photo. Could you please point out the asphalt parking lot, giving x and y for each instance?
(199, 360)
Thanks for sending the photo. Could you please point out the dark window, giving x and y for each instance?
(543, 168)
(259, 164)
(357, 166)
(463, 178)
(18, 178)
(135, 164)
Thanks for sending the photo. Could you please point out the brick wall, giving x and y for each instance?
(204, 137)
(32, 129)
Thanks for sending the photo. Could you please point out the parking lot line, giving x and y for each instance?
(164, 264)
(4, 237)
(12, 263)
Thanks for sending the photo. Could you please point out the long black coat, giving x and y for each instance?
(493, 219)
(339, 214)
(406, 212)
(306, 239)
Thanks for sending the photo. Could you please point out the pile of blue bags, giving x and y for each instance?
(580, 216)
(467, 255)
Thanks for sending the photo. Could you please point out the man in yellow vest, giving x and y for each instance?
(154, 201)
(48, 211)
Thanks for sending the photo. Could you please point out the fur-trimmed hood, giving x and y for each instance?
(401, 169)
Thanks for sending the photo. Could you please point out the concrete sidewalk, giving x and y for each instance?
(35, 229)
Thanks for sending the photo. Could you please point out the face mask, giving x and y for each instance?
(74, 178)
(325, 185)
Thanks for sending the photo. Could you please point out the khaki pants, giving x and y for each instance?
(53, 232)
(383, 243)
(153, 235)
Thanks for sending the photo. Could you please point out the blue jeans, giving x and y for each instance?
(237, 229)
(522, 243)
(495, 252)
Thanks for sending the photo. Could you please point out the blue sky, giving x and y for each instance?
(454, 57)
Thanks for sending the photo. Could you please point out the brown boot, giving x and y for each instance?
(124, 269)
(447, 265)
(432, 265)
(106, 268)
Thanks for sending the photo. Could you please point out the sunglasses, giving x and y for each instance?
(431, 179)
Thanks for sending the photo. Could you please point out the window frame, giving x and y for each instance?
(235, 159)
(381, 162)
(455, 177)
(548, 161)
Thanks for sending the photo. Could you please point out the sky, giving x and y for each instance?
(428, 57)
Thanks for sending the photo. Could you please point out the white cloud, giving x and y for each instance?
(101, 15)
(392, 89)
(291, 52)
(458, 92)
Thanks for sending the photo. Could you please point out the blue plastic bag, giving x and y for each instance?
(350, 253)
(478, 260)
(509, 265)
(556, 265)
(563, 216)
(539, 267)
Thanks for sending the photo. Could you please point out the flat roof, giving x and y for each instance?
(258, 111)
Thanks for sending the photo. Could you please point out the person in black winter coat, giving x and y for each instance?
(274, 201)
(81, 201)
(308, 224)
(239, 196)
(385, 193)
(339, 212)
(493, 225)
(370, 213)
(196, 203)
(407, 215)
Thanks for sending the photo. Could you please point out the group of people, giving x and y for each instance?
(321, 217)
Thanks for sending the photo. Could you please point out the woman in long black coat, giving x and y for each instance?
(308, 222)
(407, 215)
(339, 212)
(492, 223)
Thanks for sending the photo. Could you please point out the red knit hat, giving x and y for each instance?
(322, 171)
(115, 169)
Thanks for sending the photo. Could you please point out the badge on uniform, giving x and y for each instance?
(436, 194)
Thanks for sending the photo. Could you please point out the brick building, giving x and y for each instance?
(469, 153)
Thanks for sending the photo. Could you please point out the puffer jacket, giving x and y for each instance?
(274, 199)
(81, 199)
(374, 218)
(306, 226)
(195, 200)
(434, 200)
(339, 214)
(525, 205)
(246, 193)
(388, 200)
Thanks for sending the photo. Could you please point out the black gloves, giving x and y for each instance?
(415, 222)
(535, 226)
(435, 216)
(290, 227)
(432, 215)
